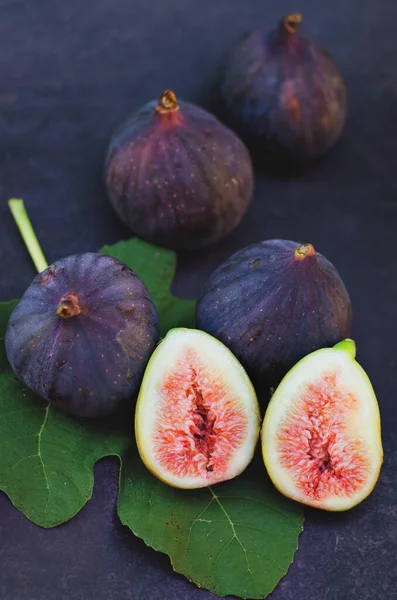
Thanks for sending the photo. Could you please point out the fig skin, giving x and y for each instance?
(177, 176)
(338, 462)
(284, 94)
(271, 304)
(82, 334)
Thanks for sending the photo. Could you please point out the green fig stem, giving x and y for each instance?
(348, 346)
(24, 224)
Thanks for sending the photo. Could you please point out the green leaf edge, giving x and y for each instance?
(160, 548)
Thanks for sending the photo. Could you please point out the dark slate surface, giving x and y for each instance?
(69, 72)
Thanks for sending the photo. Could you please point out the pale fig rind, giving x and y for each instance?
(348, 425)
(166, 412)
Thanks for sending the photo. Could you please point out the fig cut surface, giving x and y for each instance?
(321, 435)
(197, 416)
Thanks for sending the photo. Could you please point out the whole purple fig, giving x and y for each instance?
(82, 334)
(176, 176)
(284, 94)
(272, 303)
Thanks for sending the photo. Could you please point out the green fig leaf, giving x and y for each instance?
(235, 538)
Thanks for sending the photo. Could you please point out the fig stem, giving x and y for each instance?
(348, 345)
(21, 218)
(290, 23)
(167, 102)
(68, 307)
(303, 251)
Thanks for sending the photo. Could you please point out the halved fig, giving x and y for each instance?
(321, 435)
(197, 415)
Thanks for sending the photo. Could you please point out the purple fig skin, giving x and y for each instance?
(284, 93)
(178, 177)
(82, 334)
(273, 303)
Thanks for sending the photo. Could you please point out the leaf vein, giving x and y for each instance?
(39, 453)
(268, 506)
(235, 536)
(282, 569)
(150, 502)
(196, 520)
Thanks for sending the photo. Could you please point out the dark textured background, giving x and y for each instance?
(69, 73)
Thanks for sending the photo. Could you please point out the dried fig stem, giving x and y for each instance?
(167, 102)
(68, 307)
(24, 224)
(290, 23)
(303, 251)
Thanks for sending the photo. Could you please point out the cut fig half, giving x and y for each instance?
(197, 415)
(321, 435)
